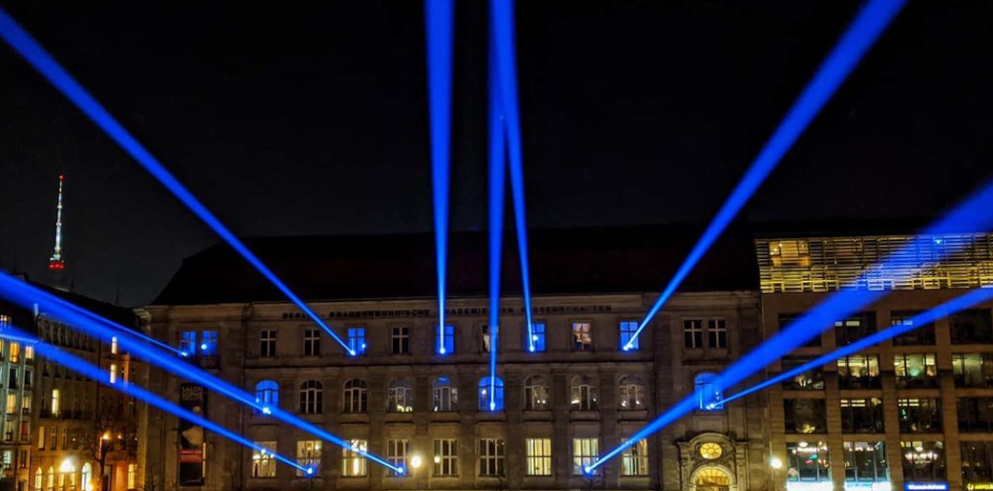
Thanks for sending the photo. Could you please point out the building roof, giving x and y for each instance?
(563, 261)
(23, 317)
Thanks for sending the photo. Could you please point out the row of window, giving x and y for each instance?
(865, 415)
(67, 477)
(490, 455)
(965, 327)
(912, 370)
(10, 351)
(867, 462)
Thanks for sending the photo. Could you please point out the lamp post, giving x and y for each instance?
(776, 464)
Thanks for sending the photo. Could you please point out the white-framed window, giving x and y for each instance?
(445, 395)
(492, 394)
(491, 457)
(583, 393)
(693, 333)
(267, 394)
(627, 330)
(311, 397)
(263, 462)
(356, 396)
(717, 333)
(400, 340)
(585, 452)
(446, 457)
(56, 402)
(400, 396)
(309, 456)
(353, 464)
(267, 343)
(536, 394)
(634, 461)
(312, 342)
(539, 456)
(632, 393)
(397, 450)
(582, 336)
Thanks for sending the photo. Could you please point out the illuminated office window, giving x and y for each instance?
(973, 370)
(859, 372)
(582, 336)
(309, 456)
(28, 353)
(263, 460)
(808, 462)
(634, 461)
(15, 352)
(539, 456)
(585, 452)
(923, 460)
(113, 345)
(11, 404)
(132, 475)
(353, 464)
(789, 253)
(55, 402)
(915, 370)
(113, 373)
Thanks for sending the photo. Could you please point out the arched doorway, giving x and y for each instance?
(711, 479)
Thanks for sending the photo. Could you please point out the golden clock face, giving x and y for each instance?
(711, 451)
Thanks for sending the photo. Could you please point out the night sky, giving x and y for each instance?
(312, 120)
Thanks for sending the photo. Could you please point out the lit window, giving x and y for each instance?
(15, 352)
(11, 404)
(267, 394)
(789, 253)
(312, 342)
(28, 353)
(41, 438)
(536, 394)
(632, 392)
(113, 373)
(55, 402)
(539, 456)
(583, 393)
(446, 340)
(484, 394)
(627, 329)
(585, 452)
(445, 395)
(208, 344)
(717, 333)
(582, 336)
(484, 338)
(866, 462)
(38, 479)
(356, 340)
(309, 456)
(808, 462)
(113, 345)
(267, 343)
(491, 457)
(396, 453)
(311, 397)
(353, 464)
(915, 371)
(634, 461)
(400, 339)
(188, 342)
(446, 457)
(709, 396)
(693, 333)
(356, 396)
(132, 475)
(537, 337)
(400, 396)
(923, 461)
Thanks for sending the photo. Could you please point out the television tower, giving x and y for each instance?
(56, 265)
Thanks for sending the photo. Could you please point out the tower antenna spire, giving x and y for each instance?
(55, 263)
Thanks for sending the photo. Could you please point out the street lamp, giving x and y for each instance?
(416, 462)
(776, 464)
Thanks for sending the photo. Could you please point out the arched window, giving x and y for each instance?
(50, 483)
(712, 479)
(445, 395)
(484, 394)
(709, 396)
(39, 479)
(583, 394)
(87, 475)
(536, 393)
(356, 398)
(632, 392)
(267, 394)
(311, 397)
(399, 396)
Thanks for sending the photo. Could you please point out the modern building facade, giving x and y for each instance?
(916, 411)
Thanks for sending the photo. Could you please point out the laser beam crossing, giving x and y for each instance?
(48, 67)
(971, 215)
(873, 19)
(27, 296)
(94, 372)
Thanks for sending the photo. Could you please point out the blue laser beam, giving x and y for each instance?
(502, 17)
(27, 296)
(96, 373)
(497, 185)
(439, 18)
(48, 67)
(944, 310)
(971, 215)
(873, 19)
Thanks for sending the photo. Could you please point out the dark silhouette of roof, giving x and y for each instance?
(563, 261)
(23, 318)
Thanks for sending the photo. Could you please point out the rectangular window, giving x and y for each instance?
(854, 328)
(634, 461)
(396, 452)
(539, 456)
(789, 253)
(582, 336)
(309, 456)
(446, 457)
(132, 476)
(15, 352)
(11, 404)
(53, 437)
(356, 339)
(977, 461)
(312, 342)
(859, 372)
(717, 333)
(41, 438)
(973, 370)
(915, 371)
(538, 337)
(113, 345)
(812, 379)
(585, 452)
(862, 415)
(353, 464)
(446, 340)
(808, 462)
(918, 336)
(263, 462)
(923, 461)
(56, 402)
(188, 342)
(975, 414)
(971, 327)
(693, 333)
(267, 343)
(208, 344)
(400, 340)
(113, 373)
(786, 320)
(805, 416)
(491, 455)
(12, 378)
(627, 330)
(921, 415)
(28, 353)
